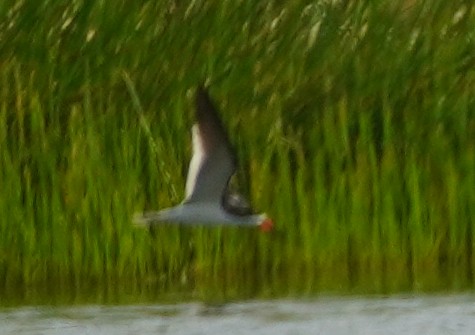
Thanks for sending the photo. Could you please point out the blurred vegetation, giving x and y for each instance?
(353, 120)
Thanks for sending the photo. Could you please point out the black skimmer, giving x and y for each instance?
(208, 199)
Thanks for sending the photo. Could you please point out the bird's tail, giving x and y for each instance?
(146, 219)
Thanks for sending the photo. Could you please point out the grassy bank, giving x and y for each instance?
(354, 122)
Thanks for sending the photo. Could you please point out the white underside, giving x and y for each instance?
(199, 213)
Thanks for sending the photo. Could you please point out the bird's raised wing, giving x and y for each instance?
(213, 161)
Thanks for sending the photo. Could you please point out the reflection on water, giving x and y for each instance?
(453, 314)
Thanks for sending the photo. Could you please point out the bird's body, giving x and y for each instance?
(208, 200)
(202, 213)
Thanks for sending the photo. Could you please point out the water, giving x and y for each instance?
(450, 314)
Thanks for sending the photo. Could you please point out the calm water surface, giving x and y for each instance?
(454, 314)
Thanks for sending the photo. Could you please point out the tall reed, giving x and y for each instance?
(353, 121)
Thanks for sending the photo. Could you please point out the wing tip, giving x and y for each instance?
(204, 105)
(208, 119)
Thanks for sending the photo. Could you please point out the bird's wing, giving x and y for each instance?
(213, 161)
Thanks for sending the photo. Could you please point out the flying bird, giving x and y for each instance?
(208, 199)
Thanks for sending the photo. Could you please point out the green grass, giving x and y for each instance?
(353, 121)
